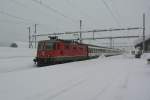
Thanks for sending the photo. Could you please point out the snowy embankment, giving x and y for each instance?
(12, 59)
(8, 52)
(114, 78)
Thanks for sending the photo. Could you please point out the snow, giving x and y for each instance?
(12, 59)
(113, 78)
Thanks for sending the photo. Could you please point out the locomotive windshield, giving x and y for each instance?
(49, 46)
(45, 45)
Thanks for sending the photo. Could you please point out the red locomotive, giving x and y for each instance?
(55, 51)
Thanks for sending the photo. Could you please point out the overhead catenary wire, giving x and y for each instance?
(115, 9)
(23, 19)
(54, 10)
(16, 17)
(111, 12)
(18, 3)
(13, 22)
(118, 15)
(20, 19)
(95, 30)
(80, 11)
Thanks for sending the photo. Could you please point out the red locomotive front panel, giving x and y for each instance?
(45, 49)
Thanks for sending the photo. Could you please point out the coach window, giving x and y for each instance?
(74, 48)
(67, 47)
(81, 48)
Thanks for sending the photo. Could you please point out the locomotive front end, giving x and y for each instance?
(45, 52)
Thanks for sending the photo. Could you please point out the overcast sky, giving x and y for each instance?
(64, 15)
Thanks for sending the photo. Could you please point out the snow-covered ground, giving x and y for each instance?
(12, 59)
(115, 78)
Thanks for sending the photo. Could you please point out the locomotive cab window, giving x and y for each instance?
(41, 46)
(49, 46)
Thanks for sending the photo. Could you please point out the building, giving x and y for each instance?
(139, 43)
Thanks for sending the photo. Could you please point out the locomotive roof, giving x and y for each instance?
(69, 41)
(60, 40)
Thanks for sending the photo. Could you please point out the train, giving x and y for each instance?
(57, 51)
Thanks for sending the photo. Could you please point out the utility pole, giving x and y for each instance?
(35, 34)
(143, 32)
(111, 42)
(29, 28)
(80, 31)
(93, 36)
